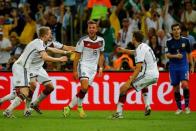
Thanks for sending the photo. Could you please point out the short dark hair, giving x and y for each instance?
(138, 36)
(174, 25)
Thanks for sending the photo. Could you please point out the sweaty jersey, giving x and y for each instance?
(181, 46)
(145, 54)
(90, 51)
(31, 57)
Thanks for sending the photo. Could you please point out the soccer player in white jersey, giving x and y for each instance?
(37, 75)
(146, 71)
(34, 55)
(89, 56)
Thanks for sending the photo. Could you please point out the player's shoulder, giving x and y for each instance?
(83, 38)
(169, 39)
(99, 38)
(184, 39)
(36, 41)
(143, 46)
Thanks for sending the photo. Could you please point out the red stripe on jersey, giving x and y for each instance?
(93, 45)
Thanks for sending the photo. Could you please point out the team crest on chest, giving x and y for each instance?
(183, 45)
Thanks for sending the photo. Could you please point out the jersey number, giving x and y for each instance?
(94, 52)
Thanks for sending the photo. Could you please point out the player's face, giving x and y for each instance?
(92, 30)
(176, 31)
(48, 36)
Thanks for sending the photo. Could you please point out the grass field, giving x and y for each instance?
(98, 121)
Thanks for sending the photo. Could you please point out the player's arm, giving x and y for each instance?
(126, 51)
(137, 70)
(75, 64)
(57, 51)
(190, 59)
(68, 48)
(100, 63)
(46, 57)
(172, 56)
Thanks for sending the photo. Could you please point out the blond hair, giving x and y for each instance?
(43, 31)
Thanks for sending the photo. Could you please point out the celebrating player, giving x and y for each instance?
(146, 71)
(34, 55)
(89, 55)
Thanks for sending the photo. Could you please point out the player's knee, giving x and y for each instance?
(48, 89)
(184, 85)
(33, 85)
(22, 94)
(144, 90)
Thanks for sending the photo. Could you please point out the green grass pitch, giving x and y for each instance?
(98, 121)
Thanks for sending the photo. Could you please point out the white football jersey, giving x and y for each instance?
(146, 55)
(31, 57)
(90, 51)
(31, 54)
(55, 44)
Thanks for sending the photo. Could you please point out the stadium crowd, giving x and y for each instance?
(117, 19)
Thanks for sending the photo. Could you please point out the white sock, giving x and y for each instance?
(40, 98)
(119, 108)
(73, 102)
(27, 105)
(8, 97)
(146, 99)
(16, 102)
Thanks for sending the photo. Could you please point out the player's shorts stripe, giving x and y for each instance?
(79, 69)
(25, 77)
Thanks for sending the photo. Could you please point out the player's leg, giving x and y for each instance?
(122, 99)
(145, 96)
(78, 98)
(22, 94)
(20, 81)
(33, 83)
(8, 97)
(42, 77)
(175, 82)
(186, 93)
(86, 77)
(142, 83)
(48, 89)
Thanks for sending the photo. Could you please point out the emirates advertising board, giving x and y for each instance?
(104, 92)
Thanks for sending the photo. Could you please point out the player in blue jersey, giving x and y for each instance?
(178, 52)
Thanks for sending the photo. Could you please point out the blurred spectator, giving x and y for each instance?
(108, 34)
(16, 50)
(9, 23)
(185, 33)
(154, 44)
(29, 30)
(162, 38)
(124, 35)
(168, 19)
(189, 15)
(55, 27)
(123, 62)
(115, 23)
(5, 48)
